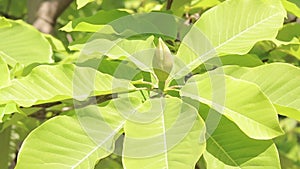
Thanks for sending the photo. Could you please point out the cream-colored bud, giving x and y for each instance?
(163, 61)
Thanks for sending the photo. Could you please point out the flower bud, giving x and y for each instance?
(162, 61)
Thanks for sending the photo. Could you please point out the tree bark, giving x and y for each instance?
(43, 13)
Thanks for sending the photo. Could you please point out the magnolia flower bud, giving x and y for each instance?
(162, 61)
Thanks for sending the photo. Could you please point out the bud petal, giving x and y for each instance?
(162, 61)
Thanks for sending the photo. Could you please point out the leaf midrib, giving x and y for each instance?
(227, 41)
(223, 150)
(99, 145)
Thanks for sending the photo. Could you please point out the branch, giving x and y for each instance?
(169, 4)
(93, 100)
(47, 12)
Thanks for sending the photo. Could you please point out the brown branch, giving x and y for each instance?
(93, 100)
(44, 14)
(169, 4)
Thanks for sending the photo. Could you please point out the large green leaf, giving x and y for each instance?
(240, 101)
(55, 43)
(52, 83)
(228, 147)
(289, 32)
(240, 24)
(248, 60)
(232, 27)
(279, 81)
(172, 139)
(261, 155)
(289, 41)
(117, 68)
(287, 50)
(24, 43)
(265, 155)
(291, 7)
(4, 22)
(93, 23)
(68, 143)
(9, 60)
(138, 50)
(5, 74)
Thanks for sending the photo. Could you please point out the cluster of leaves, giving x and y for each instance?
(227, 84)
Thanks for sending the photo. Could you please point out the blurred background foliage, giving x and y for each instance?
(99, 12)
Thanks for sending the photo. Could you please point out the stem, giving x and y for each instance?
(169, 4)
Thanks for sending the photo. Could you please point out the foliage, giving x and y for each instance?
(141, 86)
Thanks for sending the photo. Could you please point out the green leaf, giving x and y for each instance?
(7, 109)
(248, 60)
(82, 3)
(24, 43)
(289, 32)
(95, 22)
(80, 141)
(172, 139)
(4, 144)
(56, 44)
(204, 4)
(109, 163)
(17, 10)
(132, 49)
(290, 49)
(241, 24)
(228, 147)
(9, 60)
(279, 81)
(53, 83)
(12, 137)
(267, 158)
(5, 74)
(4, 22)
(291, 7)
(112, 4)
(138, 51)
(178, 6)
(288, 144)
(263, 48)
(240, 101)
(289, 43)
(232, 27)
(117, 68)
